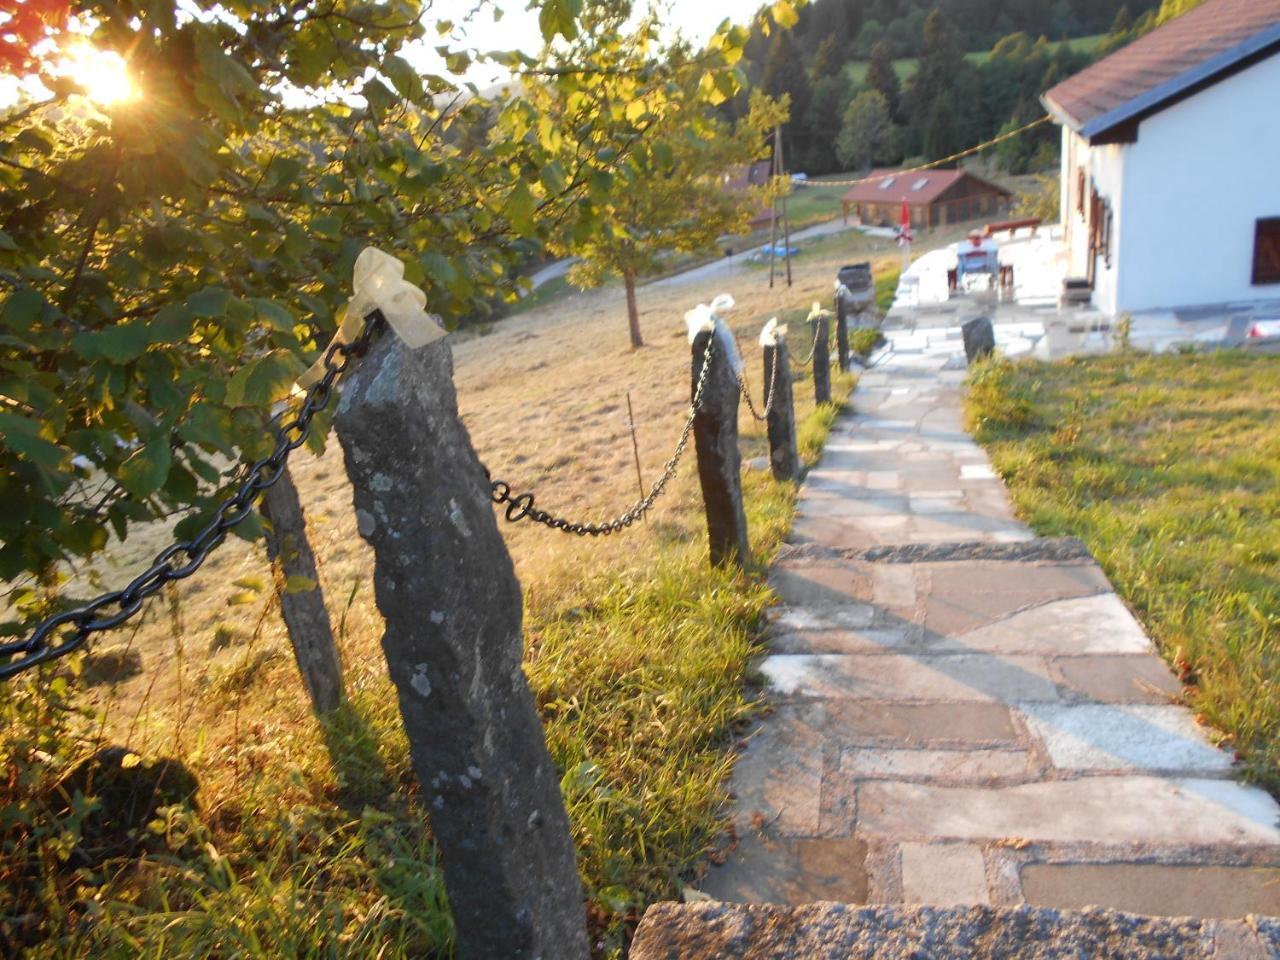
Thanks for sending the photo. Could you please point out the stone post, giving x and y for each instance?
(784, 457)
(979, 338)
(446, 588)
(305, 618)
(822, 360)
(842, 335)
(715, 436)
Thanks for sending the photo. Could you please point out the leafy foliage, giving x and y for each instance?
(643, 127)
(170, 263)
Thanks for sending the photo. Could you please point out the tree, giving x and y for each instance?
(938, 114)
(822, 123)
(867, 135)
(784, 73)
(883, 78)
(171, 261)
(828, 61)
(667, 194)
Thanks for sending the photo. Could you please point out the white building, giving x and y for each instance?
(1171, 163)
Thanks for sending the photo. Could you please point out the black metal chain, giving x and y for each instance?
(182, 559)
(521, 506)
(770, 390)
(813, 348)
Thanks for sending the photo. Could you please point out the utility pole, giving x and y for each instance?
(786, 223)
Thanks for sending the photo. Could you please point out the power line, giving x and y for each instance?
(931, 164)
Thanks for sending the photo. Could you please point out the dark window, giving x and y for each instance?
(1266, 251)
(1080, 191)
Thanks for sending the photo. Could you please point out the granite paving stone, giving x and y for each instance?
(964, 714)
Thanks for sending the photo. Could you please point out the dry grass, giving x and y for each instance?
(637, 624)
(544, 395)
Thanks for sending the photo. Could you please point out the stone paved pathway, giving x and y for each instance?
(965, 714)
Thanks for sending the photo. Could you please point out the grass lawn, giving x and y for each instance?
(905, 68)
(309, 839)
(1168, 467)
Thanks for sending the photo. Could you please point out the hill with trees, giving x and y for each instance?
(974, 69)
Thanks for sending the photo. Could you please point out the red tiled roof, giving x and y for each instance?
(1164, 63)
(921, 187)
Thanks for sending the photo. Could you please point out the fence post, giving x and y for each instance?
(305, 617)
(715, 436)
(447, 590)
(821, 359)
(784, 457)
(842, 334)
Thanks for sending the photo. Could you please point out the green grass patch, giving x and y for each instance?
(886, 277)
(1168, 467)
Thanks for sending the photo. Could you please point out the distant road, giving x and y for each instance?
(725, 267)
(718, 269)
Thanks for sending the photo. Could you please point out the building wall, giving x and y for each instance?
(1104, 171)
(1200, 175)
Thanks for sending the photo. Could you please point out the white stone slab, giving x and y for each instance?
(943, 874)
(976, 471)
(1129, 737)
(953, 766)
(1109, 810)
(905, 677)
(1097, 624)
(843, 617)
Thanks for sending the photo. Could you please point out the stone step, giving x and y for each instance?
(836, 931)
(1104, 810)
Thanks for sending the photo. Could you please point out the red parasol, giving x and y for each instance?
(904, 223)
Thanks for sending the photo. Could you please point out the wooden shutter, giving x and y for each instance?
(1266, 251)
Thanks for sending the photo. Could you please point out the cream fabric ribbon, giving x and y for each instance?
(772, 332)
(379, 284)
(817, 312)
(704, 318)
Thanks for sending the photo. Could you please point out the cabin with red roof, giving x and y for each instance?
(1171, 163)
(934, 198)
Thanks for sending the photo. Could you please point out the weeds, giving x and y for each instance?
(1168, 467)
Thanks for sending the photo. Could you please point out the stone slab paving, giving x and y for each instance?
(964, 714)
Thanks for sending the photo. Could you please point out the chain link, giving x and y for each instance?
(813, 348)
(182, 559)
(770, 390)
(521, 506)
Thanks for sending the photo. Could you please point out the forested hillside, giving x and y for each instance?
(845, 117)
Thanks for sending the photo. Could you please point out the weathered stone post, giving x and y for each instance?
(822, 359)
(979, 338)
(842, 335)
(715, 436)
(784, 457)
(305, 617)
(447, 590)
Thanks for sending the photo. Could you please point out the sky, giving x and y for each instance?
(696, 20)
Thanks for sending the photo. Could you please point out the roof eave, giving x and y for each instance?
(1202, 73)
(1058, 113)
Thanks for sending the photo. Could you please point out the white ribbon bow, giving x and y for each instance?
(771, 333)
(704, 318)
(379, 284)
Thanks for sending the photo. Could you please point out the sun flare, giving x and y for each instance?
(102, 74)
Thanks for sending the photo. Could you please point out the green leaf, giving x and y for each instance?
(299, 584)
(22, 435)
(520, 206)
(22, 308)
(144, 472)
(274, 315)
(403, 77)
(6, 242)
(211, 302)
(262, 382)
(118, 344)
